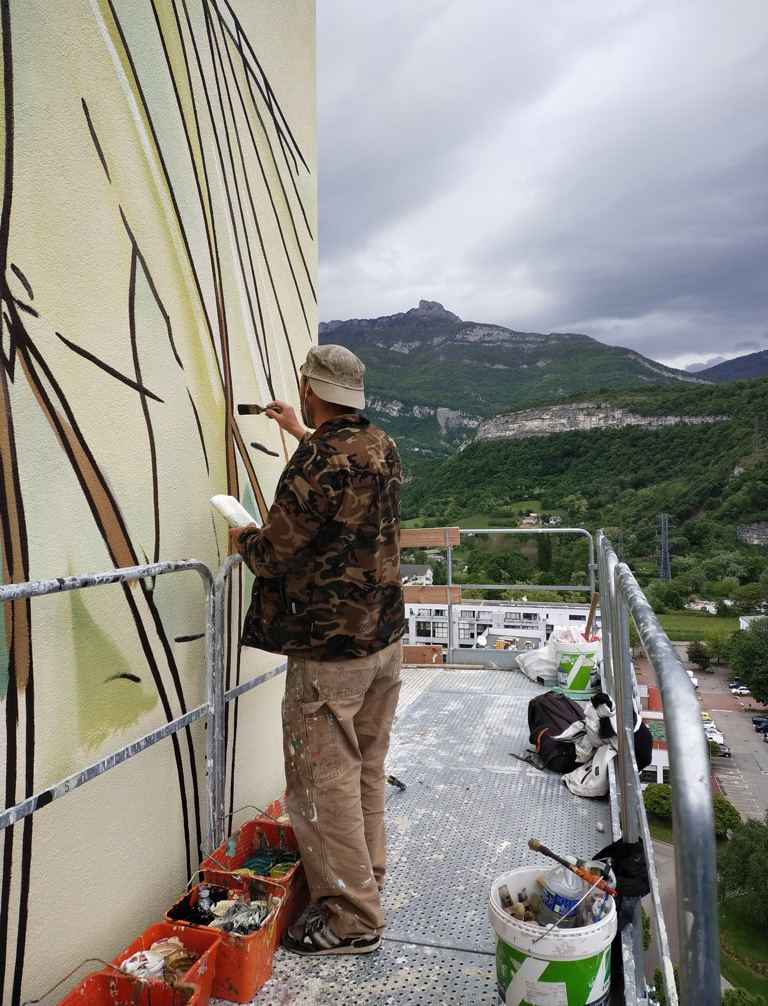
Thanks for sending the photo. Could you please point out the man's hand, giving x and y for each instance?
(234, 536)
(285, 417)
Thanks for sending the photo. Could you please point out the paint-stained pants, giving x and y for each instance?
(337, 719)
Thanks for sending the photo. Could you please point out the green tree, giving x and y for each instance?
(697, 654)
(576, 505)
(714, 749)
(659, 996)
(544, 551)
(717, 643)
(727, 818)
(657, 798)
(747, 598)
(646, 923)
(741, 869)
(439, 572)
(748, 656)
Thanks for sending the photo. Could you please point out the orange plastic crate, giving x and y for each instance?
(233, 853)
(243, 963)
(202, 941)
(102, 989)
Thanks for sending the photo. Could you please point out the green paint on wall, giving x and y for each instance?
(106, 701)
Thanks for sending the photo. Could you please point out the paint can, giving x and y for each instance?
(578, 668)
(570, 967)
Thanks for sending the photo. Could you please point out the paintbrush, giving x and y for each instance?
(580, 871)
(255, 410)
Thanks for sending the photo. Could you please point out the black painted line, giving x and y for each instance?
(263, 351)
(152, 286)
(161, 159)
(95, 139)
(270, 96)
(218, 77)
(257, 152)
(26, 307)
(199, 431)
(108, 369)
(144, 405)
(23, 279)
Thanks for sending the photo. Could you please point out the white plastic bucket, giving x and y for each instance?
(566, 967)
(577, 667)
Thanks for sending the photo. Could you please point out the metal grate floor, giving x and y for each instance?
(469, 808)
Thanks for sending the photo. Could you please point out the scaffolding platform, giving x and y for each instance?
(469, 807)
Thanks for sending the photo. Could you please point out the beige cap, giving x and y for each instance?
(336, 375)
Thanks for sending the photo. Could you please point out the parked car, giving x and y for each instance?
(741, 690)
(762, 727)
(765, 737)
(706, 717)
(760, 718)
(715, 735)
(725, 751)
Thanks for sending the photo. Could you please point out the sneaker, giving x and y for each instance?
(313, 938)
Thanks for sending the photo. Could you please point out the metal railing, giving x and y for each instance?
(217, 696)
(692, 805)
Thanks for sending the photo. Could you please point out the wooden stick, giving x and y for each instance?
(591, 615)
(580, 871)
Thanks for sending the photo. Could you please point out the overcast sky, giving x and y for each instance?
(594, 166)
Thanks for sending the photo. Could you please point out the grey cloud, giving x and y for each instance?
(598, 169)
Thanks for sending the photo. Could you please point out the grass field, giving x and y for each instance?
(686, 626)
(741, 978)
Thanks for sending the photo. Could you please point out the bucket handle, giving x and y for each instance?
(88, 960)
(246, 806)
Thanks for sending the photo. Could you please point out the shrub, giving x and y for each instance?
(657, 798)
(727, 818)
(740, 997)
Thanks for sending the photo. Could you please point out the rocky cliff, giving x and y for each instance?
(574, 416)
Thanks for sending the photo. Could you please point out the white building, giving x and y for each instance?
(528, 623)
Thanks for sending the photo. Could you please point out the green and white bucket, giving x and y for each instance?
(577, 668)
(565, 967)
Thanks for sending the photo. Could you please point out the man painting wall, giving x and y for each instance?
(328, 595)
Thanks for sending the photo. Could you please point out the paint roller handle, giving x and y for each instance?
(580, 871)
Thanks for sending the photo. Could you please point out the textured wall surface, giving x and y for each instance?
(158, 267)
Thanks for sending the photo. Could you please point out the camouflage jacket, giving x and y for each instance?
(327, 560)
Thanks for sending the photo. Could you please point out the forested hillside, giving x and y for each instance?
(710, 478)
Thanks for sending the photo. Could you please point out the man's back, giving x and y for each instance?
(328, 556)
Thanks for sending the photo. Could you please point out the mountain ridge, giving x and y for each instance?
(431, 377)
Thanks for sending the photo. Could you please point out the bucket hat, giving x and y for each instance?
(336, 375)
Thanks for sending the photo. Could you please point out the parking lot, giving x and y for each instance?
(743, 778)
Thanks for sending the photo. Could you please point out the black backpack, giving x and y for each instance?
(549, 715)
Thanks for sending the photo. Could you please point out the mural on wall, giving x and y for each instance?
(156, 261)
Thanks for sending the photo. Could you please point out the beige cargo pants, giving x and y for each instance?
(337, 719)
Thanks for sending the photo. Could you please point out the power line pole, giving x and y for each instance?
(665, 571)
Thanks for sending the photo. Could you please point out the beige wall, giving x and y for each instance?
(158, 268)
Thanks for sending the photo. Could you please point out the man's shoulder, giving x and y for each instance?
(352, 433)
